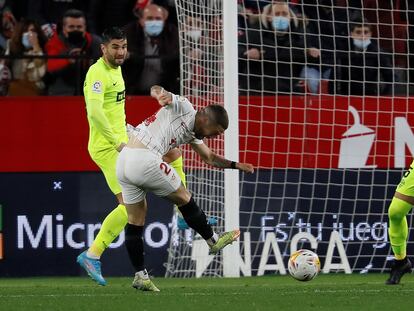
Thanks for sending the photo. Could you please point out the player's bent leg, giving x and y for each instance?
(398, 233)
(197, 220)
(115, 221)
(398, 227)
(175, 160)
(112, 226)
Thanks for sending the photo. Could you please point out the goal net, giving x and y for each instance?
(324, 116)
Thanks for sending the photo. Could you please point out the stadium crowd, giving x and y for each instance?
(355, 47)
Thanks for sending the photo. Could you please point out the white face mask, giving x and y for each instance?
(362, 44)
(194, 34)
(25, 40)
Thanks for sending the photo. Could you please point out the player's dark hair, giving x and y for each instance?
(74, 13)
(112, 33)
(218, 115)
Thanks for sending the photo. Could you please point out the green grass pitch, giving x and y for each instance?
(326, 292)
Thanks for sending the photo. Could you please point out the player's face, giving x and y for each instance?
(115, 52)
(208, 130)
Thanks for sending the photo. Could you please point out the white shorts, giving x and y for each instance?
(140, 171)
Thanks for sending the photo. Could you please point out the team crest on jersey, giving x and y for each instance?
(97, 87)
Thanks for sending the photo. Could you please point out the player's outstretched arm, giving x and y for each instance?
(208, 156)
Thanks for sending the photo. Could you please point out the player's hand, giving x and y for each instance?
(163, 97)
(245, 167)
(120, 147)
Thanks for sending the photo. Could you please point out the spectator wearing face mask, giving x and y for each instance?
(153, 52)
(66, 75)
(27, 73)
(364, 69)
(272, 54)
(7, 24)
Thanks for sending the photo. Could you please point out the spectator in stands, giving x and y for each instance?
(66, 75)
(272, 54)
(153, 52)
(27, 73)
(7, 24)
(326, 31)
(364, 69)
(248, 13)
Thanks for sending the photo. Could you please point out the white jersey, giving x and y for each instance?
(170, 127)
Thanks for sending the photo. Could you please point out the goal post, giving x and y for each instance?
(231, 135)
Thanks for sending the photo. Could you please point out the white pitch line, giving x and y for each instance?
(63, 295)
(318, 291)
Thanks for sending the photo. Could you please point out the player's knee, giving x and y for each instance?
(137, 214)
(185, 198)
(180, 197)
(395, 213)
(137, 221)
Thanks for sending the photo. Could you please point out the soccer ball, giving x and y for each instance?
(304, 265)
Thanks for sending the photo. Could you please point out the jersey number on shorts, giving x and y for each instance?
(164, 167)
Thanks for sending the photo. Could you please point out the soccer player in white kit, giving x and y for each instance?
(140, 169)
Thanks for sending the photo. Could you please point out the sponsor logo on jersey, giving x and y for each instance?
(120, 96)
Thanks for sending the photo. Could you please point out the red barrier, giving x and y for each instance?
(326, 132)
(50, 134)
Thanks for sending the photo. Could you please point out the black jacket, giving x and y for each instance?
(168, 52)
(282, 59)
(360, 73)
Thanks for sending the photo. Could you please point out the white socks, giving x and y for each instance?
(92, 256)
(143, 274)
